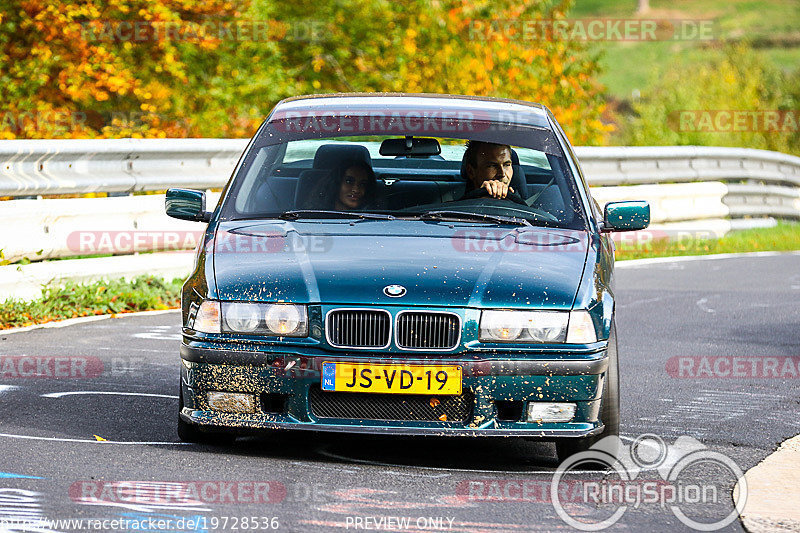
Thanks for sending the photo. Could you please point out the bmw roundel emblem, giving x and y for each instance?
(394, 291)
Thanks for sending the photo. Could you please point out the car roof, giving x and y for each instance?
(504, 109)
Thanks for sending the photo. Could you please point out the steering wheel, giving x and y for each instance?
(481, 193)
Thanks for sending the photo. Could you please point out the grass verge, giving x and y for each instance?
(143, 293)
(784, 237)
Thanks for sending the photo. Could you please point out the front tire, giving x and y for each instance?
(609, 408)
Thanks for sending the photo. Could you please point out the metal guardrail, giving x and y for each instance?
(696, 187)
(68, 166)
(65, 166)
(680, 164)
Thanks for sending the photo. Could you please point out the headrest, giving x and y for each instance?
(330, 156)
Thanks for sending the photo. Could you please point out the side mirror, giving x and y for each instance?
(626, 216)
(187, 204)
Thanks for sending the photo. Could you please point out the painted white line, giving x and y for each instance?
(127, 349)
(645, 301)
(351, 470)
(60, 439)
(8, 388)
(633, 263)
(379, 463)
(409, 474)
(110, 393)
(702, 303)
(83, 320)
(641, 443)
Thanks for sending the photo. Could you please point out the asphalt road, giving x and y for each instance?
(681, 325)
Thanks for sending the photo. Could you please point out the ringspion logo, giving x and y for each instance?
(693, 483)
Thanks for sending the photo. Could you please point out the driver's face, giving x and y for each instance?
(493, 163)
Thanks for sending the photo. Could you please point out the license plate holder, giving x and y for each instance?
(380, 378)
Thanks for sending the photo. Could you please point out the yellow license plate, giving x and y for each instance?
(391, 379)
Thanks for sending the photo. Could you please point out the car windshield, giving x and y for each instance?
(404, 175)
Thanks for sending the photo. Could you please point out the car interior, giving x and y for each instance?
(402, 181)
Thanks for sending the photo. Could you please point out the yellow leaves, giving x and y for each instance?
(409, 41)
(90, 68)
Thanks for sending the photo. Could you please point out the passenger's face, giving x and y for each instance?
(353, 188)
(493, 163)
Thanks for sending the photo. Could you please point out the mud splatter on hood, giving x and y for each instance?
(449, 264)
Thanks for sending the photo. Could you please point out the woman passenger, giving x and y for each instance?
(352, 187)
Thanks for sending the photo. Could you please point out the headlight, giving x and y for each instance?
(574, 327)
(286, 320)
(501, 325)
(581, 328)
(548, 327)
(282, 320)
(242, 317)
(524, 326)
(207, 318)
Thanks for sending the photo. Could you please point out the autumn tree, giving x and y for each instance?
(501, 48)
(119, 68)
(87, 68)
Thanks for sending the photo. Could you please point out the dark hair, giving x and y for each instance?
(473, 147)
(357, 163)
(372, 186)
(324, 195)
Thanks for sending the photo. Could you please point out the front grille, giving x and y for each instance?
(427, 331)
(359, 328)
(366, 406)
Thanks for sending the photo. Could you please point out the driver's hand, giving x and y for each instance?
(497, 188)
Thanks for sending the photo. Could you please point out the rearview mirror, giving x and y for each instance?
(411, 146)
(626, 216)
(187, 204)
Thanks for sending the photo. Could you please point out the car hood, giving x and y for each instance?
(439, 263)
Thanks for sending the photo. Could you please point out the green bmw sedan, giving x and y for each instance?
(404, 264)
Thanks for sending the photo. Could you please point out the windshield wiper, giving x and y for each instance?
(463, 215)
(322, 213)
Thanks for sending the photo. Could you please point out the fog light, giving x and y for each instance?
(550, 412)
(231, 402)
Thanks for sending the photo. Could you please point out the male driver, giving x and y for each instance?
(488, 167)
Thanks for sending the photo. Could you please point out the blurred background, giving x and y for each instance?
(179, 68)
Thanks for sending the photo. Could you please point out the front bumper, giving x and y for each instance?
(490, 380)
